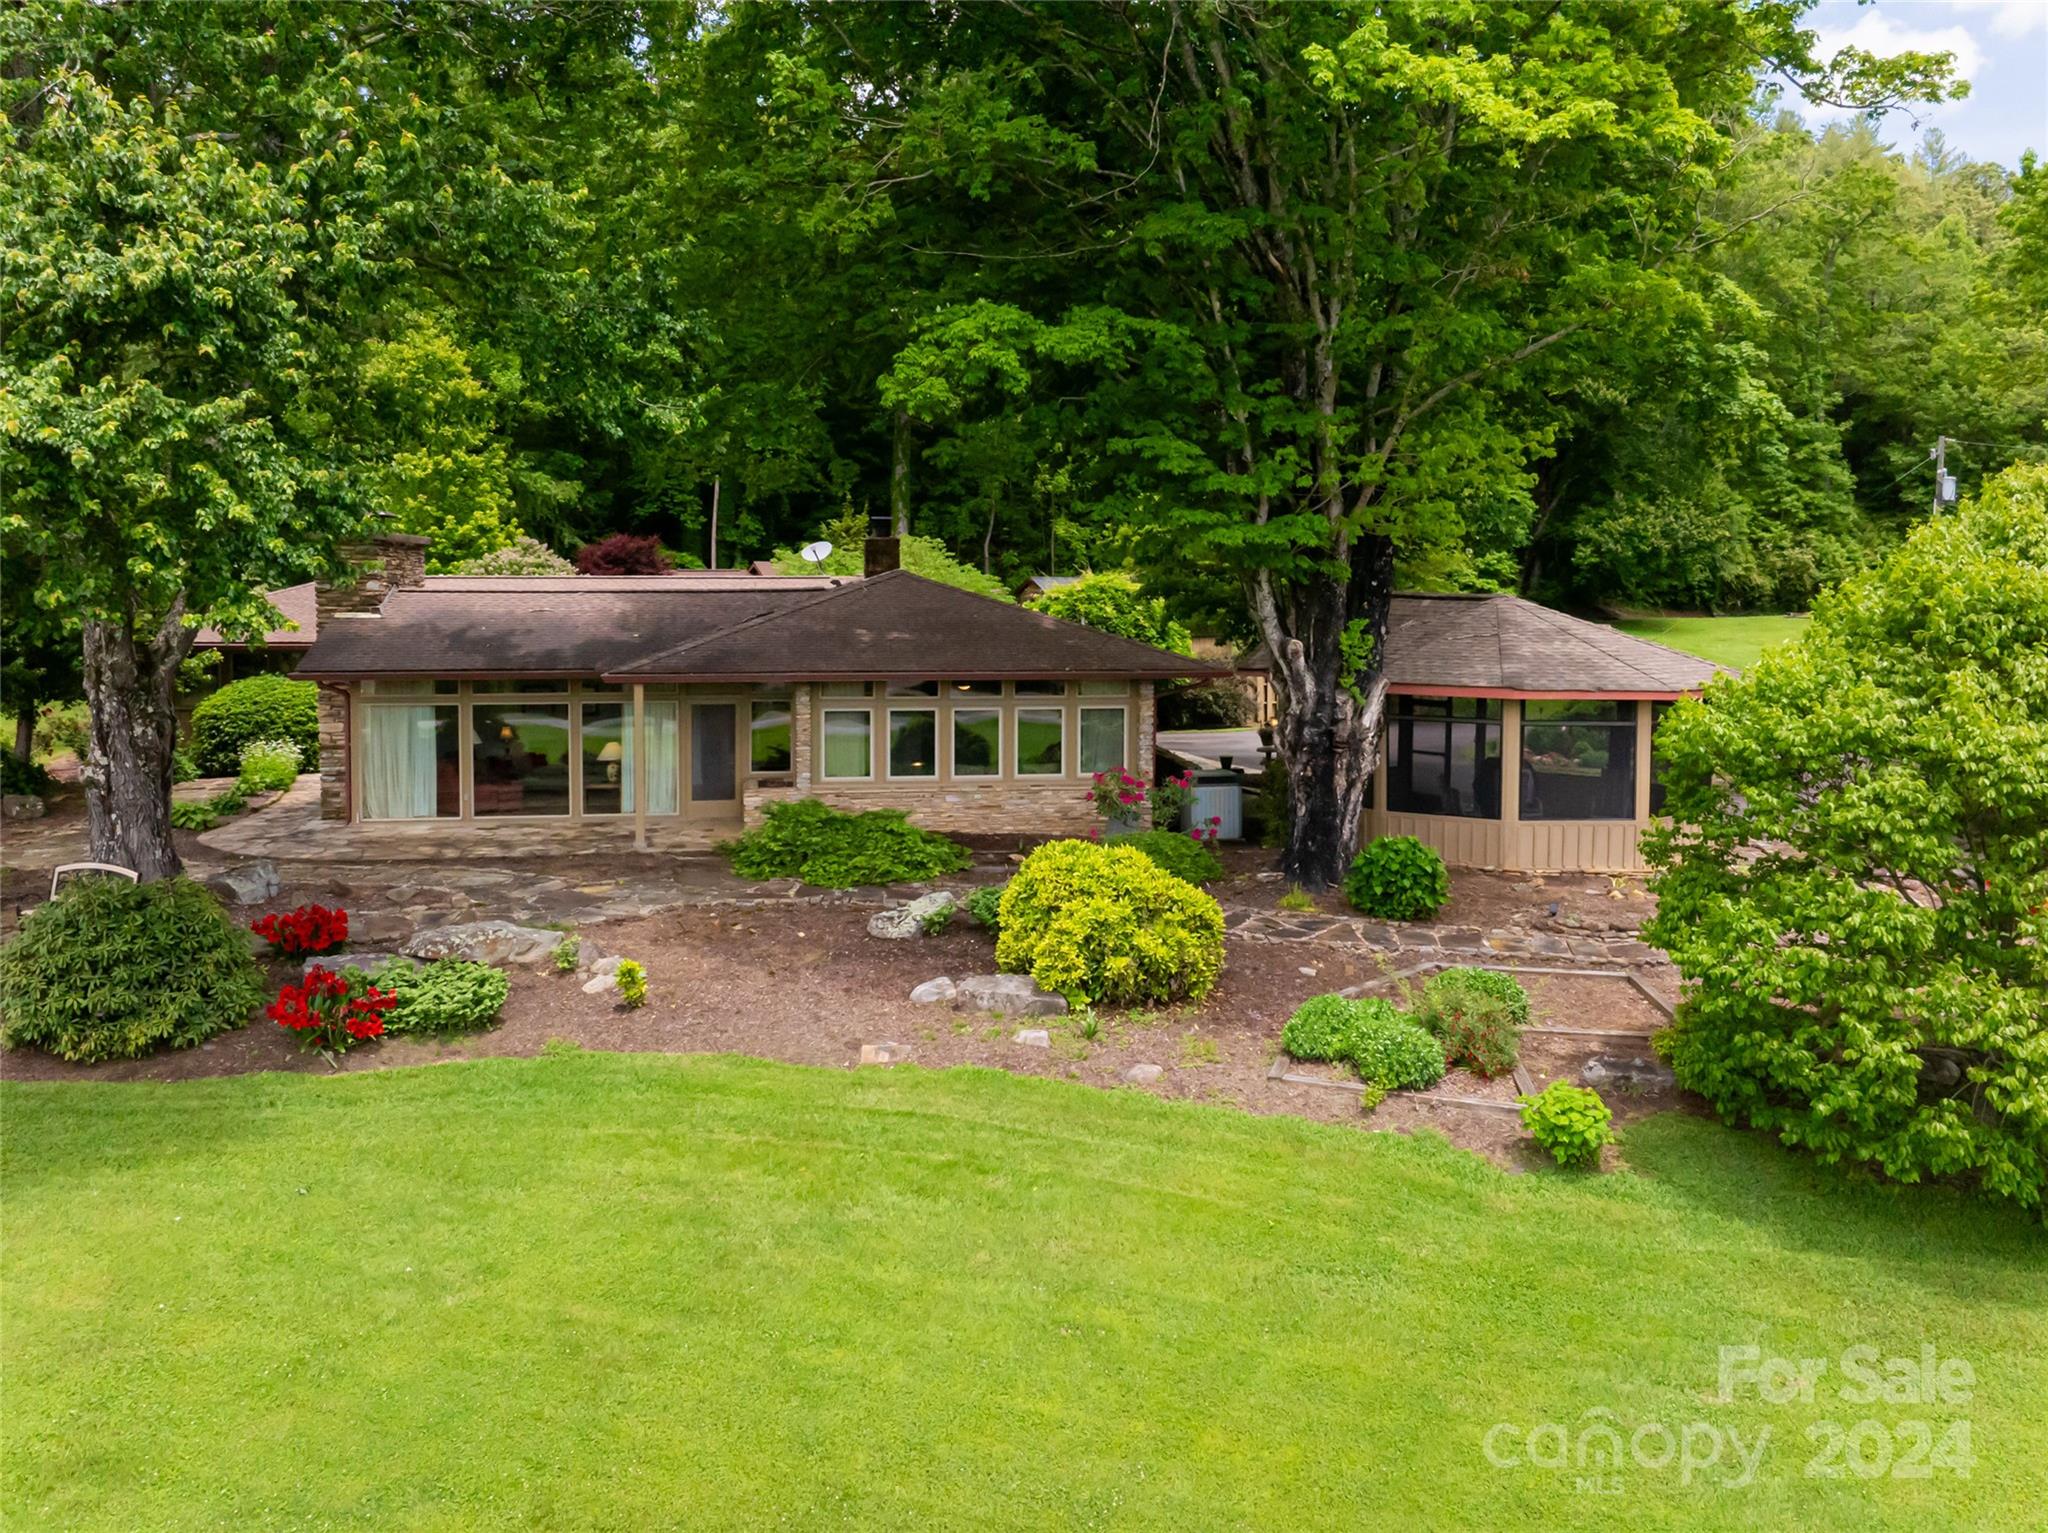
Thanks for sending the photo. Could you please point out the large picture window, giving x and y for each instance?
(1578, 759)
(977, 742)
(1443, 757)
(411, 762)
(1102, 739)
(770, 749)
(520, 757)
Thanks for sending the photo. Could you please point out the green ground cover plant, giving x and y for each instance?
(451, 995)
(1398, 878)
(1178, 853)
(833, 849)
(707, 1239)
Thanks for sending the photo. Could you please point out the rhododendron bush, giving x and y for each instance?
(309, 929)
(331, 1012)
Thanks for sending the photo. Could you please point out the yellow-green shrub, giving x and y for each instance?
(1108, 924)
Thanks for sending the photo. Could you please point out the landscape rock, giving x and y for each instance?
(1144, 1075)
(22, 806)
(908, 920)
(934, 990)
(599, 984)
(608, 964)
(883, 1053)
(249, 884)
(1014, 995)
(363, 961)
(1638, 1072)
(1033, 1038)
(498, 942)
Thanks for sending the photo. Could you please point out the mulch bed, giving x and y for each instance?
(809, 985)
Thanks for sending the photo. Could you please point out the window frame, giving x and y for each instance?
(889, 771)
(825, 772)
(1016, 760)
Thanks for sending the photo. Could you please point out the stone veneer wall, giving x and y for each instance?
(393, 561)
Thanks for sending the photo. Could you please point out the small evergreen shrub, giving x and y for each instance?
(832, 849)
(1571, 1122)
(1478, 1015)
(255, 708)
(1321, 1029)
(632, 984)
(1393, 1051)
(1397, 878)
(567, 954)
(1453, 987)
(18, 776)
(985, 906)
(112, 970)
(1105, 923)
(268, 766)
(1181, 855)
(452, 995)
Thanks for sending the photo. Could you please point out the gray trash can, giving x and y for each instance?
(1218, 795)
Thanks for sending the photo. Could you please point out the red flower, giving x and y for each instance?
(309, 929)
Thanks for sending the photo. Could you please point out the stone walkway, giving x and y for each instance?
(1258, 925)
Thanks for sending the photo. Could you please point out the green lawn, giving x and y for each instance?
(1736, 641)
(627, 1292)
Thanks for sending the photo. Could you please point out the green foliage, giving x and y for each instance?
(935, 922)
(921, 555)
(567, 954)
(256, 708)
(1107, 924)
(268, 766)
(18, 776)
(207, 813)
(1113, 602)
(632, 984)
(1386, 1048)
(1571, 1122)
(1398, 878)
(184, 766)
(832, 849)
(522, 556)
(985, 905)
(1297, 899)
(1477, 1029)
(1390, 1050)
(1854, 883)
(111, 970)
(1180, 855)
(451, 995)
(1450, 988)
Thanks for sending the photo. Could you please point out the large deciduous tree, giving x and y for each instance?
(148, 280)
(1287, 265)
(1854, 879)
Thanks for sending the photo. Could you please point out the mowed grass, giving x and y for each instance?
(1736, 641)
(630, 1292)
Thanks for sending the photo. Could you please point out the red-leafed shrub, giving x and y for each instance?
(622, 554)
(332, 1012)
(309, 929)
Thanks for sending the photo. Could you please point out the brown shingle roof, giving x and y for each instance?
(1507, 644)
(901, 625)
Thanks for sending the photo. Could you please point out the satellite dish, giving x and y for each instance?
(815, 553)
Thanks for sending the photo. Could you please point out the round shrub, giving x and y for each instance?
(1320, 1028)
(255, 708)
(1105, 923)
(1182, 856)
(1397, 878)
(1391, 1051)
(24, 777)
(112, 970)
(1571, 1122)
(1458, 987)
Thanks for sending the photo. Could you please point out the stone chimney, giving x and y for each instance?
(883, 550)
(387, 562)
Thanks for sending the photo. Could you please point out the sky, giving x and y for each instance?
(2001, 48)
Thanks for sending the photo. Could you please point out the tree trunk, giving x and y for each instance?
(1329, 723)
(25, 729)
(899, 475)
(133, 729)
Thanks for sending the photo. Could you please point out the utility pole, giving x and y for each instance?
(1944, 483)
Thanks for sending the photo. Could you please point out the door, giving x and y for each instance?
(714, 762)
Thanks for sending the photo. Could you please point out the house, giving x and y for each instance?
(686, 703)
(1519, 737)
(1041, 585)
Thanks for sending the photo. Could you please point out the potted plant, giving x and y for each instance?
(1120, 800)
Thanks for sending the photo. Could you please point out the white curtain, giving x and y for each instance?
(664, 761)
(398, 763)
